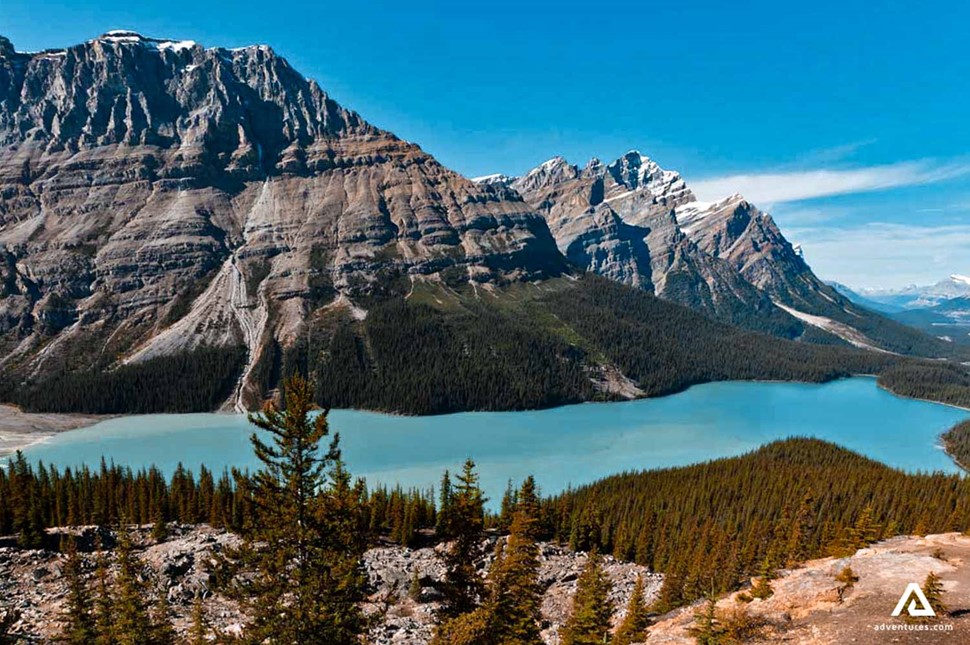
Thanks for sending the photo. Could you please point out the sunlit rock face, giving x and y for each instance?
(156, 195)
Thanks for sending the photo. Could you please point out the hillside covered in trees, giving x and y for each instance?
(440, 349)
(708, 527)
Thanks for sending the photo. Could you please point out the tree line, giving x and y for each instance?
(715, 525)
(305, 523)
(521, 348)
(956, 441)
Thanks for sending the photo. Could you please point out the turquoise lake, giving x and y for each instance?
(562, 446)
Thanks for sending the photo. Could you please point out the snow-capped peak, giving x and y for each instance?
(962, 279)
(497, 178)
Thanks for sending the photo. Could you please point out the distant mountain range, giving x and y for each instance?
(163, 200)
(941, 309)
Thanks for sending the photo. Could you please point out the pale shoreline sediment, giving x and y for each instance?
(20, 430)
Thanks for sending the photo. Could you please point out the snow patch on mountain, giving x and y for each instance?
(843, 331)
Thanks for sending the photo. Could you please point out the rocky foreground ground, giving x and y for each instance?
(805, 609)
(31, 581)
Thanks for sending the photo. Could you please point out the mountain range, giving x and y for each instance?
(941, 309)
(193, 222)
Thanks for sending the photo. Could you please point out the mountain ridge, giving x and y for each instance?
(635, 222)
(169, 208)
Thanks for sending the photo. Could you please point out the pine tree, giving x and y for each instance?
(633, 629)
(589, 620)
(159, 527)
(79, 628)
(515, 596)
(28, 518)
(103, 602)
(302, 551)
(443, 521)
(507, 508)
(131, 622)
(199, 630)
(463, 585)
(163, 633)
(414, 589)
(707, 628)
(933, 590)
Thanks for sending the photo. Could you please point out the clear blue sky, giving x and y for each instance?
(849, 120)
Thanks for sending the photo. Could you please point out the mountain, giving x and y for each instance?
(921, 296)
(637, 223)
(182, 226)
(941, 310)
(859, 299)
(160, 196)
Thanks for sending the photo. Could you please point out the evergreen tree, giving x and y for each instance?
(707, 628)
(507, 508)
(131, 623)
(26, 504)
(933, 590)
(79, 627)
(463, 585)
(103, 602)
(302, 551)
(443, 523)
(633, 629)
(163, 633)
(414, 589)
(511, 612)
(589, 620)
(159, 527)
(199, 630)
(515, 596)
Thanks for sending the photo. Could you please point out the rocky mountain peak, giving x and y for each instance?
(209, 196)
(549, 173)
(6, 47)
(243, 108)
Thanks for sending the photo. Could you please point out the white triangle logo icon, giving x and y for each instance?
(922, 610)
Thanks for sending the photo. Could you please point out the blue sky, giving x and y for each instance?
(848, 120)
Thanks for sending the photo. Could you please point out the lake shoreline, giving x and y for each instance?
(20, 430)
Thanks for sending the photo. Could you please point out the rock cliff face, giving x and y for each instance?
(619, 220)
(639, 224)
(157, 195)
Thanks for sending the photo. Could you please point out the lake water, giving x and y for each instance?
(562, 446)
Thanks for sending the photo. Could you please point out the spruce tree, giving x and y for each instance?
(199, 631)
(159, 527)
(103, 602)
(633, 629)
(707, 628)
(589, 620)
(463, 585)
(131, 622)
(79, 627)
(933, 590)
(443, 521)
(515, 596)
(510, 614)
(301, 552)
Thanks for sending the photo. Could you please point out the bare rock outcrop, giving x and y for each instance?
(152, 186)
(32, 584)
